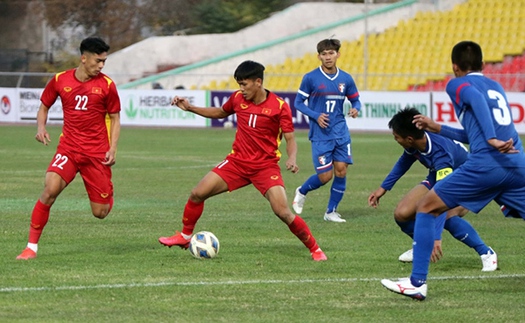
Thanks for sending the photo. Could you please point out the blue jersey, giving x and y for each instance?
(441, 156)
(482, 109)
(326, 94)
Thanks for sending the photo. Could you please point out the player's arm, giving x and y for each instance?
(211, 112)
(353, 97)
(291, 151)
(114, 134)
(425, 123)
(41, 120)
(402, 165)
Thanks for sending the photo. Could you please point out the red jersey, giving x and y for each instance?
(85, 106)
(260, 127)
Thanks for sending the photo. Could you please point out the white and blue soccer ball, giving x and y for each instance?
(204, 245)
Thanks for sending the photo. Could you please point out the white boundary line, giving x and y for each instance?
(233, 282)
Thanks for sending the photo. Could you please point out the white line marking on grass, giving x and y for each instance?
(234, 282)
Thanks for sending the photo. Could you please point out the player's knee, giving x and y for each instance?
(325, 177)
(402, 214)
(100, 212)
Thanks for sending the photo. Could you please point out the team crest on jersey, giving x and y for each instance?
(322, 160)
(67, 89)
(96, 90)
(267, 111)
(244, 106)
(341, 87)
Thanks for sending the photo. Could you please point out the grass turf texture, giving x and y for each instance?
(114, 270)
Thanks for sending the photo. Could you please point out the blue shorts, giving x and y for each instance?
(325, 152)
(474, 186)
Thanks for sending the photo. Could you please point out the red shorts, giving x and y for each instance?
(96, 176)
(237, 174)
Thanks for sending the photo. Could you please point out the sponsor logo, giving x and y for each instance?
(104, 195)
(244, 106)
(274, 177)
(5, 104)
(67, 89)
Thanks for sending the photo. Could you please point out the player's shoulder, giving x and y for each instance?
(344, 73)
(104, 78)
(276, 99)
(67, 74)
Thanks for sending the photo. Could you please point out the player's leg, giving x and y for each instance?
(269, 182)
(276, 195)
(342, 157)
(405, 211)
(98, 184)
(225, 176)
(60, 172)
(405, 215)
(211, 184)
(464, 232)
(429, 208)
(322, 161)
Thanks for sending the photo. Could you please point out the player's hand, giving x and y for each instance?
(292, 166)
(505, 147)
(353, 113)
(181, 102)
(110, 158)
(323, 121)
(373, 199)
(423, 122)
(43, 137)
(437, 252)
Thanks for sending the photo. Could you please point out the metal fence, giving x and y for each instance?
(510, 82)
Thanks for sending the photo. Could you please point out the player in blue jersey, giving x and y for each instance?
(494, 170)
(441, 156)
(321, 97)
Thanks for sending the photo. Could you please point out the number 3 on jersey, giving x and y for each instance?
(82, 101)
(502, 112)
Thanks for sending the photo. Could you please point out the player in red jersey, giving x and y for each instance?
(89, 138)
(263, 119)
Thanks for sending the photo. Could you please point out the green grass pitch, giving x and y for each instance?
(114, 270)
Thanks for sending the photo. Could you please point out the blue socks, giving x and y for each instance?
(312, 183)
(464, 232)
(336, 193)
(407, 227)
(423, 246)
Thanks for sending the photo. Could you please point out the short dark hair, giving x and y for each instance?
(401, 123)
(93, 45)
(249, 70)
(327, 44)
(467, 56)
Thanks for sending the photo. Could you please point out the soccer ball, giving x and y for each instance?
(204, 245)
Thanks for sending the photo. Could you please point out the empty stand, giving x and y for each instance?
(415, 54)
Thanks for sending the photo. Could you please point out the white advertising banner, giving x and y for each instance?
(29, 103)
(8, 105)
(153, 108)
(377, 108)
(443, 111)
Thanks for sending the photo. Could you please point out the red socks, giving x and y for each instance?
(39, 219)
(301, 230)
(192, 213)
